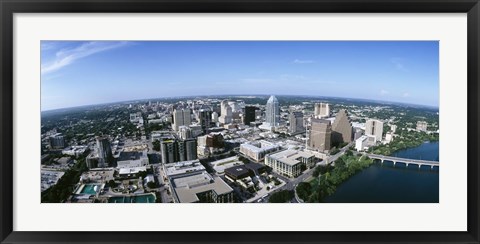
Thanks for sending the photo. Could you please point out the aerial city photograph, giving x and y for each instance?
(239, 122)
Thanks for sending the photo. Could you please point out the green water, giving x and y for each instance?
(89, 189)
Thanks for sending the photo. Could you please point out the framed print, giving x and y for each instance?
(264, 121)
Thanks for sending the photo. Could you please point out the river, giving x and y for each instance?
(388, 184)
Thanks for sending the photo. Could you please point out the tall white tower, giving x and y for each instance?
(272, 117)
(226, 113)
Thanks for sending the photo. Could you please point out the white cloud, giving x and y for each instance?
(290, 77)
(384, 92)
(66, 57)
(406, 94)
(257, 80)
(399, 64)
(299, 61)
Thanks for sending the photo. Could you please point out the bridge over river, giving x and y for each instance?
(406, 161)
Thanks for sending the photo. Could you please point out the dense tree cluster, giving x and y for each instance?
(281, 196)
(330, 177)
(405, 139)
(64, 187)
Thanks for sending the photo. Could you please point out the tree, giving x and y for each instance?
(111, 184)
(281, 196)
(304, 190)
(316, 171)
(142, 174)
(156, 145)
(151, 184)
(334, 151)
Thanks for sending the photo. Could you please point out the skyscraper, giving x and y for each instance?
(105, 156)
(205, 118)
(179, 150)
(341, 128)
(190, 149)
(214, 117)
(249, 115)
(57, 141)
(296, 122)
(272, 117)
(322, 110)
(181, 117)
(169, 151)
(374, 128)
(225, 113)
(184, 132)
(320, 135)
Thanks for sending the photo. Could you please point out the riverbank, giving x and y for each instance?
(404, 140)
(321, 187)
(386, 183)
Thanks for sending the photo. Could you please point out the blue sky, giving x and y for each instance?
(82, 73)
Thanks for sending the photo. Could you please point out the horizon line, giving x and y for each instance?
(186, 96)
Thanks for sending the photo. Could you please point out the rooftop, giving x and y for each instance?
(184, 167)
(220, 165)
(131, 155)
(259, 146)
(290, 157)
(135, 170)
(188, 187)
(237, 170)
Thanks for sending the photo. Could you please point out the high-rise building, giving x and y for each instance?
(374, 127)
(105, 156)
(205, 118)
(341, 128)
(169, 151)
(181, 150)
(184, 132)
(190, 150)
(235, 106)
(322, 110)
(91, 161)
(181, 117)
(225, 113)
(214, 117)
(320, 135)
(249, 115)
(272, 114)
(210, 143)
(422, 125)
(57, 141)
(296, 122)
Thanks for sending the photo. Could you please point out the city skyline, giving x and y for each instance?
(86, 73)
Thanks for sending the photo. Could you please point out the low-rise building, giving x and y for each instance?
(221, 165)
(258, 149)
(130, 159)
(191, 183)
(203, 188)
(75, 151)
(238, 172)
(131, 172)
(364, 142)
(289, 162)
(361, 143)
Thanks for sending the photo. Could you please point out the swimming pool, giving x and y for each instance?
(146, 198)
(90, 189)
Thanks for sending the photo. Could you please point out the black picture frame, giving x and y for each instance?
(9, 7)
